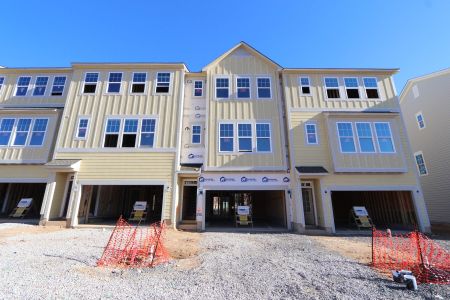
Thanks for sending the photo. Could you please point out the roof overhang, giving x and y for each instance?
(311, 171)
(190, 168)
(390, 71)
(64, 165)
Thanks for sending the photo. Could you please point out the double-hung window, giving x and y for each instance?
(365, 138)
(112, 133)
(245, 138)
(332, 87)
(147, 133)
(90, 83)
(22, 130)
(196, 134)
(263, 136)
(114, 82)
(371, 86)
(305, 86)
(58, 85)
(384, 137)
(2, 82)
(38, 132)
(346, 138)
(226, 138)
(351, 87)
(162, 83)
(138, 84)
(22, 85)
(83, 124)
(311, 134)
(264, 88)
(40, 86)
(243, 87)
(6, 128)
(222, 88)
(420, 120)
(129, 136)
(198, 88)
(420, 162)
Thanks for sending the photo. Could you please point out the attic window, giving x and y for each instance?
(264, 90)
(222, 88)
(243, 87)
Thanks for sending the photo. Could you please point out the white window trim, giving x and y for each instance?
(34, 85)
(53, 84)
(392, 138)
(253, 145)
(108, 83)
(2, 86)
(14, 133)
(234, 137)
(270, 88)
(193, 88)
(132, 82)
(325, 88)
(301, 85)
(76, 137)
(365, 89)
(28, 88)
(31, 133)
(229, 87)
(423, 120)
(270, 138)
(12, 130)
(249, 86)
(138, 146)
(170, 83)
(316, 134)
(424, 163)
(96, 83)
(358, 88)
(372, 137)
(121, 132)
(339, 137)
(192, 134)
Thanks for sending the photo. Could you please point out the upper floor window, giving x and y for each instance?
(365, 138)
(311, 134)
(351, 87)
(90, 83)
(371, 86)
(6, 128)
(112, 133)
(332, 87)
(264, 87)
(82, 129)
(245, 138)
(162, 83)
(58, 85)
(243, 87)
(114, 82)
(22, 85)
(420, 162)
(147, 133)
(384, 137)
(305, 86)
(127, 137)
(346, 139)
(222, 88)
(196, 134)
(22, 130)
(2, 81)
(420, 120)
(40, 86)
(38, 132)
(139, 82)
(198, 88)
(263, 137)
(226, 137)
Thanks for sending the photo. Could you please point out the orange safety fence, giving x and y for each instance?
(414, 251)
(135, 246)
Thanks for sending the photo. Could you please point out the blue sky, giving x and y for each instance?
(413, 35)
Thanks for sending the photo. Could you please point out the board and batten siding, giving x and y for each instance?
(253, 110)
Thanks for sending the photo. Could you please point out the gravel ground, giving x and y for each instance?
(61, 265)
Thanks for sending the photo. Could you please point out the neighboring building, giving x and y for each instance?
(300, 145)
(426, 111)
(31, 103)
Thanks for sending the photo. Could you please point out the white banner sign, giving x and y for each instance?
(192, 155)
(243, 179)
(25, 202)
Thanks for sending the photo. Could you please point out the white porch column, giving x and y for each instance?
(48, 197)
(297, 204)
(327, 210)
(200, 209)
(75, 198)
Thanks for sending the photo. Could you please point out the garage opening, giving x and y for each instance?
(12, 193)
(268, 208)
(387, 209)
(106, 203)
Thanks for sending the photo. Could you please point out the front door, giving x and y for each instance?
(189, 202)
(308, 203)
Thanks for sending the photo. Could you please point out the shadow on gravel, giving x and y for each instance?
(68, 258)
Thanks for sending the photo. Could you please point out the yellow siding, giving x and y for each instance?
(58, 196)
(7, 97)
(23, 172)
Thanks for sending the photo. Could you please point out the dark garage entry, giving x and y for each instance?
(106, 203)
(387, 209)
(268, 207)
(11, 193)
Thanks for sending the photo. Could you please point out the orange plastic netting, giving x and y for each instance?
(135, 246)
(413, 251)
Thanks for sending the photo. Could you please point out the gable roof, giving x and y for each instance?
(249, 49)
(411, 81)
